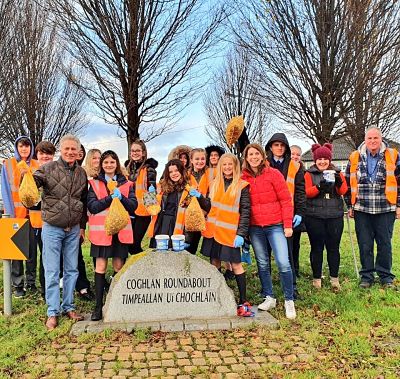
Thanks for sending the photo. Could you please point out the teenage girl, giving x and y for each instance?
(228, 223)
(171, 219)
(142, 172)
(99, 200)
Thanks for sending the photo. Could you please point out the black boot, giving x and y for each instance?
(241, 283)
(229, 275)
(99, 281)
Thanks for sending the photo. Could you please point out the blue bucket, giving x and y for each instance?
(178, 242)
(162, 241)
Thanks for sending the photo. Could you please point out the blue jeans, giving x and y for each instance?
(58, 242)
(378, 227)
(260, 236)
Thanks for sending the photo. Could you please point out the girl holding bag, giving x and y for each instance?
(228, 222)
(99, 200)
(142, 172)
(199, 182)
(171, 219)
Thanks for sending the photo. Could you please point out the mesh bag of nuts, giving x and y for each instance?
(151, 203)
(194, 217)
(117, 217)
(234, 129)
(28, 191)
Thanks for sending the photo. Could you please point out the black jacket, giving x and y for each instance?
(151, 165)
(299, 191)
(96, 205)
(328, 204)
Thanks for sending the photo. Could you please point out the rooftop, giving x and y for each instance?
(342, 148)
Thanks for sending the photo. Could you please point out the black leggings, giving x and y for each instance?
(193, 238)
(324, 233)
(139, 227)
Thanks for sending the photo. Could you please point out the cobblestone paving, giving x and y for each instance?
(224, 354)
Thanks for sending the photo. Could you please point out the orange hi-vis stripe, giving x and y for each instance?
(223, 219)
(140, 190)
(180, 217)
(391, 182)
(205, 181)
(14, 178)
(291, 176)
(97, 233)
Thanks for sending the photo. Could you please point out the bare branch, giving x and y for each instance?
(144, 58)
(40, 100)
(231, 94)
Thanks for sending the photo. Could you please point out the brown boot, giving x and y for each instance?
(74, 316)
(335, 284)
(317, 283)
(51, 323)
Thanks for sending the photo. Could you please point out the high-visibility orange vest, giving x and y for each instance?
(97, 233)
(212, 172)
(223, 219)
(35, 218)
(180, 217)
(205, 181)
(291, 176)
(140, 190)
(14, 179)
(391, 182)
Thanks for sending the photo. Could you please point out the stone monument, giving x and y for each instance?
(158, 286)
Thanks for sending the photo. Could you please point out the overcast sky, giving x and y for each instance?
(189, 131)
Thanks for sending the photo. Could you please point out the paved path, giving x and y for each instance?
(256, 353)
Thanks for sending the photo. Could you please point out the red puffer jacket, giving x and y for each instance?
(270, 199)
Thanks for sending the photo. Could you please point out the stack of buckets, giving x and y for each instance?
(178, 242)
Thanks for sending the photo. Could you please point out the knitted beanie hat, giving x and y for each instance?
(324, 151)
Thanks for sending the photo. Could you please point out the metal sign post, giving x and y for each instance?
(7, 283)
(14, 235)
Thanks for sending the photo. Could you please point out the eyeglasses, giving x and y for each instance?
(136, 151)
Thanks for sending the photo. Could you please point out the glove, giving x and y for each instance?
(116, 194)
(246, 246)
(338, 179)
(194, 192)
(323, 186)
(239, 241)
(297, 220)
(152, 189)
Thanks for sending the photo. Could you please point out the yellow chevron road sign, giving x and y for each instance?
(14, 239)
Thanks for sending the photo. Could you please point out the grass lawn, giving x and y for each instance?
(358, 330)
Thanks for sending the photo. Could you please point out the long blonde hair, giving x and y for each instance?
(219, 178)
(91, 171)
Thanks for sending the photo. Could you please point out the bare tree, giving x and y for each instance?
(232, 93)
(7, 18)
(41, 100)
(376, 88)
(330, 67)
(305, 58)
(145, 58)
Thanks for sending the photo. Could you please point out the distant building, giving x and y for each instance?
(342, 148)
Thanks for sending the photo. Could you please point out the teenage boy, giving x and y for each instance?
(10, 180)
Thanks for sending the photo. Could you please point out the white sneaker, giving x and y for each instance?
(268, 303)
(290, 310)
